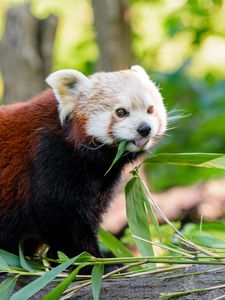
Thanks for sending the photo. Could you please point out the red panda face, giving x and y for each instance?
(116, 106)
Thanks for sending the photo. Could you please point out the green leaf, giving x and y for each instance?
(136, 215)
(14, 260)
(36, 285)
(96, 280)
(205, 160)
(7, 287)
(59, 289)
(120, 151)
(214, 226)
(113, 244)
(206, 240)
(24, 263)
(152, 215)
(3, 264)
(215, 229)
(11, 259)
(62, 256)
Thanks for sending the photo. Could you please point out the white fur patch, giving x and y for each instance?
(96, 129)
(134, 91)
(65, 85)
(96, 98)
(140, 72)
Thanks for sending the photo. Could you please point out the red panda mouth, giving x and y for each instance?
(141, 141)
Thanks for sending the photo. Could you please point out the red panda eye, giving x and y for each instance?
(150, 109)
(122, 112)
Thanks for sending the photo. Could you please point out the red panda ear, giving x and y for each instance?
(66, 84)
(141, 73)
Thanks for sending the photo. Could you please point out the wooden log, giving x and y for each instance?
(148, 286)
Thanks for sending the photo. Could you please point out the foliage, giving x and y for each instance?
(120, 151)
(202, 131)
(140, 204)
(182, 46)
(175, 41)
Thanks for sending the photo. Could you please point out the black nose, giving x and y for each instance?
(144, 129)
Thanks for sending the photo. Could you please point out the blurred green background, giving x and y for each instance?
(181, 44)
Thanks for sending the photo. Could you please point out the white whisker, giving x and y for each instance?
(166, 134)
(171, 128)
(93, 148)
(177, 114)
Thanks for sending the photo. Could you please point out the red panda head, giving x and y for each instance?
(113, 106)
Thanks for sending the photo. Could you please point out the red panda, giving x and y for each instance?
(56, 148)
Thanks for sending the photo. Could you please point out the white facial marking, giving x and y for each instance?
(97, 98)
(96, 129)
(133, 91)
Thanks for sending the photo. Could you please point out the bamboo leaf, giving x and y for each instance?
(209, 241)
(11, 259)
(59, 289)
(7, 287)
(113, 244)
(120, 151)
(204, 160)
(182, 293)
(24, 263)
(151, 213)
(3, 264)
(62, 256)
(14, 260)
(136, 215)
(36, 285)
(96, 280)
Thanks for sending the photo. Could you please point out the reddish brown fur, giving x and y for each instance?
(20, 126)
(113, 120)
(77, 130)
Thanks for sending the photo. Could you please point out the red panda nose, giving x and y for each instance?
(144, 129)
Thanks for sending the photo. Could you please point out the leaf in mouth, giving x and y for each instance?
(120, 151)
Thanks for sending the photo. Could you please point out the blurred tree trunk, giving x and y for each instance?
(112, 24)
(25, 53)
